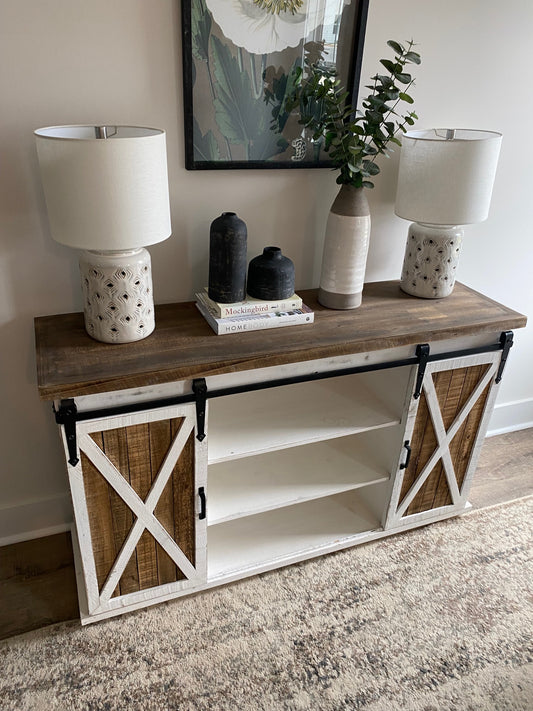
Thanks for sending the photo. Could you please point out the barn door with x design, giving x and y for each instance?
(139, 498)
(445, 429)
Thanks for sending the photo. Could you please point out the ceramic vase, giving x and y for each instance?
(227, 259)
(345, 250)
(271, 276)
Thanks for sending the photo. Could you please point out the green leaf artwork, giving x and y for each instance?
(205, 147)
(233, 102)
(244, 61)
(241, 118)
(200, 30)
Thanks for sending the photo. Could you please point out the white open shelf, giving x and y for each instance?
(255, 484)
(273, 419)
(286, 534)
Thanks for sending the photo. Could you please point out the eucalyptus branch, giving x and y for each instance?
(399, 126)
(354, 142)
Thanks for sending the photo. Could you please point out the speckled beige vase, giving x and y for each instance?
(345, 250)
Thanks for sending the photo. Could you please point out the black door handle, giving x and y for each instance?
(408, 457)
(203, 502)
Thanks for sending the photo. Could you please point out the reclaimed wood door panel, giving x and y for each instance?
(135, 493)
(445, 429)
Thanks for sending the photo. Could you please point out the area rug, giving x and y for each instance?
(435, 619)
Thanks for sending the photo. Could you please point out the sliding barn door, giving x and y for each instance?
(445, 430)
(139, 498)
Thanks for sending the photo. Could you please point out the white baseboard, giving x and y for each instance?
(35, 519)
(511, 417)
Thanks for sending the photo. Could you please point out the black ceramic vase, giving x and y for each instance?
(227, 259)
(271, 276)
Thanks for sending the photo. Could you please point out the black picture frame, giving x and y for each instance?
(228, 123)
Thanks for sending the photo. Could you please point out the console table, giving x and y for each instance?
(195, 459)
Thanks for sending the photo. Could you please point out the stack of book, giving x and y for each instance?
(253, 314)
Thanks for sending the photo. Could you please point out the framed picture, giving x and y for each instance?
(239, 57)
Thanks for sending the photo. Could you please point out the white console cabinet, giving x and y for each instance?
(195, 460)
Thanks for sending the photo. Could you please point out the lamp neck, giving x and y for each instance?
(432, 226)
(115, 252)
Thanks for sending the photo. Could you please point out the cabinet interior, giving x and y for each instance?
(290, 467)
(287, 534)
(276, 418)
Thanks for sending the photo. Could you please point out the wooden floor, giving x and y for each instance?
(37, 582)
(505, 469)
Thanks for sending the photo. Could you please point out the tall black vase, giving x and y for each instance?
(271, 276)
(227, 259)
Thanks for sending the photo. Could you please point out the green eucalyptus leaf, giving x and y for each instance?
(390, 94)
(406, 97)
(373, 116)
(384, 80)
(396, 46)
(403, 78)
(367, 184)
(413, 57)
(375, 102)
(389, 65)
(370, 167)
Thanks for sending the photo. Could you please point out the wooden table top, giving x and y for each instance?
(183, 346)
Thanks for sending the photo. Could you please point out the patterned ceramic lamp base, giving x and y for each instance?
(117, 291)
(431, 258)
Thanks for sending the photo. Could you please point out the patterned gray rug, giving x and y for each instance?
(437, 619)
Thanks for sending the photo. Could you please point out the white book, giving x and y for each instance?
(250, 306)
(255, 322)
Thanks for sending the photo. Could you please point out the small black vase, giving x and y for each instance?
(227, 259)
(271, 276)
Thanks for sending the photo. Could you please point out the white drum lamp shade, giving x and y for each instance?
(445, 180)
(106, 191)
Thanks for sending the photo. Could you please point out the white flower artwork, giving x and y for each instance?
(265, 26)
(240, 57)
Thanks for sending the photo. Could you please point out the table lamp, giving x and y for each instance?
(106, 192)
(445, 181)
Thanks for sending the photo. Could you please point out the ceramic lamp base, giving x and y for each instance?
(117, 291)
(430, 262)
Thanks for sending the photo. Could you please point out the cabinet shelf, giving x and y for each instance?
(287, 534)
(277, 418)
(260, 483)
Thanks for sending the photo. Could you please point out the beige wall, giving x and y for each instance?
(73, 61)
